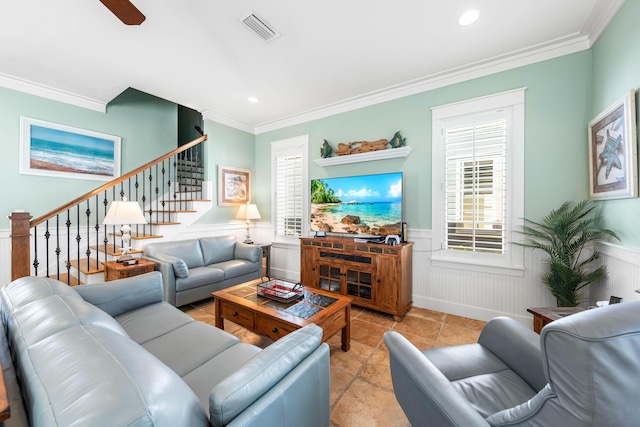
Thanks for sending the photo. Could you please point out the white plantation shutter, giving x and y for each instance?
(290, 188)
(475, 186)
(289, 195)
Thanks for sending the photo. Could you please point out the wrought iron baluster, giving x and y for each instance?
(151, 212)
(68, 224)
(88, 251)
(105, 239)
(47, 235)
(58, 249)
(157, 191)
(163, 170)
(35, 250)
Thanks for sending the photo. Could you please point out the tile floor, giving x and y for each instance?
(361, 389)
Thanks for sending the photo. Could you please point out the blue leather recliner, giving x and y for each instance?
(583, 370)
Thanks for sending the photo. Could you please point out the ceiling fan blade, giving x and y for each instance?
(125, 11)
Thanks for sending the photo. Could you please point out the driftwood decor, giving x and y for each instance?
(358, 147)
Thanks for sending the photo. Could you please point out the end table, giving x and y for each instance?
(114, 270)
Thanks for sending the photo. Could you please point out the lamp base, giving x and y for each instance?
(248, 241)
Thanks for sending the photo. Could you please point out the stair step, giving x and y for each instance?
(66, 278)
(114, 250)
(164, 223)
(148, 236)
(186, 200)
(94, 266)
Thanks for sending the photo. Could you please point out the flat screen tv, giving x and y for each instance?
(368, 205)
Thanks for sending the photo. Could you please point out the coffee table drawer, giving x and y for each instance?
(330, 325)
(272, 328)
(237, 314)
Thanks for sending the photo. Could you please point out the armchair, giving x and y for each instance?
(583, 370)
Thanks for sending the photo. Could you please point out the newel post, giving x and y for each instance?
(20, 244)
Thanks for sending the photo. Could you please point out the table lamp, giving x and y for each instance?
(248, 212)
(125, 213)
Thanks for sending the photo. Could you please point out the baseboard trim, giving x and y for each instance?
(467, 310)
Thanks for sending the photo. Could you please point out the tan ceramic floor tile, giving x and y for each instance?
(351, 361)
(365, 404)
(367, 333)
(419, 326)
(340, 380)
(377, 369)
(421, 343)
(454, 335)
(202, 316)
(426, 314)
(465, 322)
(380, 319)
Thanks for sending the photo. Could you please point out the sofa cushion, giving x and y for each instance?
(170, 347)
(152, 321)
(198, 277)
(74, 377)
(235, 393)
(68, 312)
(180, 268)
(217, 249)
(123, 295)
(188, 250)
(203, 378)
(22, 291)
(236, 268)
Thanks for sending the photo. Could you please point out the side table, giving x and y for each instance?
(114, 270)
(545, 315)
(266, 253)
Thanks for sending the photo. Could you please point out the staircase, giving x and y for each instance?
(70, 243)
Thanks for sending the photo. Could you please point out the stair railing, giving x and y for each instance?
(62, 237)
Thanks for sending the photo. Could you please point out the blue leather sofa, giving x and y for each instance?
(193, 269)
(115, 354)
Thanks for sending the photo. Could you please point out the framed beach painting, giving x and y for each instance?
(55, 150)
(234, 185)
(613, 165)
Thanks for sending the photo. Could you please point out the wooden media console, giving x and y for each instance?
(376, 276)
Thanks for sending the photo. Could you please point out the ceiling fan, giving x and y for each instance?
(125, 11)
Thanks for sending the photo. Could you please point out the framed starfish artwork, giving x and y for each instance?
(613, 165)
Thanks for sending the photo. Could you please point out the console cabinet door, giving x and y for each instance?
(308, 274)
(386, 281)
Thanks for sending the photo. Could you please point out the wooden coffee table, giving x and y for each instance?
(242, 305)
(542, 316)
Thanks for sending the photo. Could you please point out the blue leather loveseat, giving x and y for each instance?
(193, 269)
(115, 354)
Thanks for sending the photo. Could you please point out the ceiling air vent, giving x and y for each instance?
(259, 26)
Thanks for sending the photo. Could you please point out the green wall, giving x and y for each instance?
(557, 109)
(146, 124)
(616, 70)
(228, 146)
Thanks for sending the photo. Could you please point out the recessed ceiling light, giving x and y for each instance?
(469, 17)
(253, 99)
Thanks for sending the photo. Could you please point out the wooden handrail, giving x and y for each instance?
(116, 181)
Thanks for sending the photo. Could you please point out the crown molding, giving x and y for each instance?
(600, 18)
(449, 77)
(49, 92)
(228, 121)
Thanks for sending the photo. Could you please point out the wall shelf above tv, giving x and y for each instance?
(390, 153)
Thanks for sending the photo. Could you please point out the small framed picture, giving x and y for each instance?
(613, 170)
(234, 185)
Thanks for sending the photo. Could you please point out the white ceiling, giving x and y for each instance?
(332, 55)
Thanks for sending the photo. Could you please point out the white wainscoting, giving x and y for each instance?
(465, 293)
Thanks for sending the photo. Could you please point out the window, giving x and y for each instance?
(290, 188)
(478, 181)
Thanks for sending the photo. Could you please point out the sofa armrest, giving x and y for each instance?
(124, 295)
(423, 392)
(517, 346)
(249, 252)
(234, 394)
(168, 279)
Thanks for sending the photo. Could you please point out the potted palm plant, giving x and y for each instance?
(568, 235)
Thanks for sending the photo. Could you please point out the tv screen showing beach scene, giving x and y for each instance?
(363, 205)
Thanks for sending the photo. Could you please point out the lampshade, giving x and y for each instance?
(123, 212)
(248, 211)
